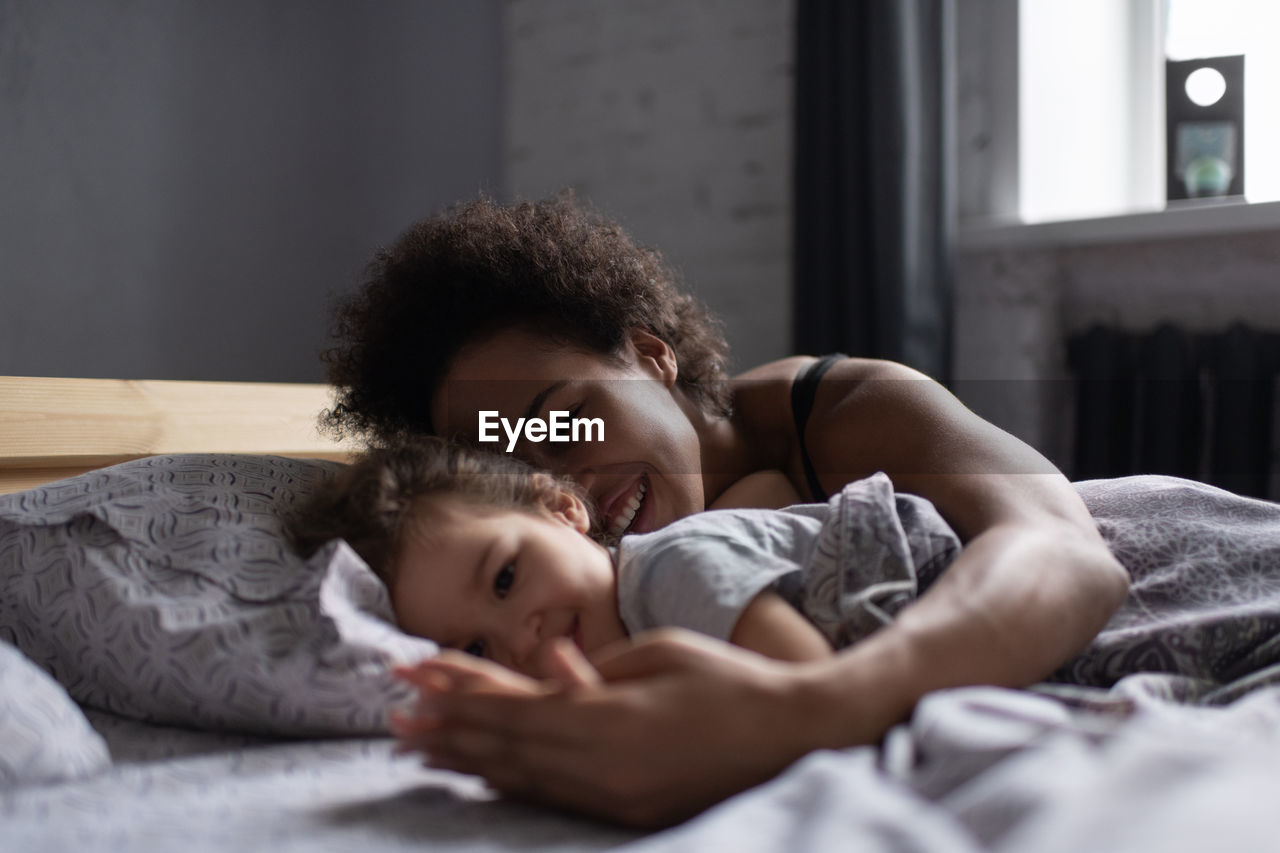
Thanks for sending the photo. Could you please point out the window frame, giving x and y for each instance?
(987, 143)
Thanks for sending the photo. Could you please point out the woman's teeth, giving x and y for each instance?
(628, 514)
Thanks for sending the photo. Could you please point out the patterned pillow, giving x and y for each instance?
(43, 735)
(163, 589)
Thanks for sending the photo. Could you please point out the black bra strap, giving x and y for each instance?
(803, 390)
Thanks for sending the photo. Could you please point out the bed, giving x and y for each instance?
(172, 677)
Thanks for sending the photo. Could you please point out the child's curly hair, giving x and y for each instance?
(383, 492)
(482, 267)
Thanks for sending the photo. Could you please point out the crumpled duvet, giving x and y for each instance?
(989, 769)
(1204, 603)
(1203, 614)
(1164, 734)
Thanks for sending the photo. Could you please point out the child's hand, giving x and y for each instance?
(457, 673)
(451, 670)
(662, 738)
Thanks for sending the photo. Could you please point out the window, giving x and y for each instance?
(1088, 113)
(1200, 28)
(1090, 120)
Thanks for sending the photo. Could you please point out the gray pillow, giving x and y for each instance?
(43, 736)
(163, 589)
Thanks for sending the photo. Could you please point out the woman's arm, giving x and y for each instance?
(769, 489)
(1035, 581)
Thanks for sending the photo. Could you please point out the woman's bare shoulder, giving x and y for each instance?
(762, 405)
(762, 398)
(779, 369)
(784, 370)
(762, 395)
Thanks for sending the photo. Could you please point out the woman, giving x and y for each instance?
(538, 308)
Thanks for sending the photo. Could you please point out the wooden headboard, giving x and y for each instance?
(55, 428)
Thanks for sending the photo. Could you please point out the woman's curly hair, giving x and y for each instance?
(481, 267)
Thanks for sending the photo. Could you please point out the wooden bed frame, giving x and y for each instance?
(55, 428)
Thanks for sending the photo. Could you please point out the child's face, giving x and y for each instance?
(503, 583)
(651, 452)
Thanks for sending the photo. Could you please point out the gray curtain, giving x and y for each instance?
(873, 199)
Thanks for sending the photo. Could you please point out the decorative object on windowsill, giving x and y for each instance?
(1204, 130)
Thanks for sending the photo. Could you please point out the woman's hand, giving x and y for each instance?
(673, 723)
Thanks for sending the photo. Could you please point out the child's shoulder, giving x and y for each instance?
(721, 536)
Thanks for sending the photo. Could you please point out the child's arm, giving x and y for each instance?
(767, 489)
(775, 629)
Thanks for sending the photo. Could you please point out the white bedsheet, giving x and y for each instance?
(189, 792)
(975, 769)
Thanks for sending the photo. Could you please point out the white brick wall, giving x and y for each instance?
(1014, 308)
(673, 117)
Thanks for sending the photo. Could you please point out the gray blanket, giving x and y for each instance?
(1163, 735)
(1203, 613)
(1202, 619)
(1144, 764)
(986, 769)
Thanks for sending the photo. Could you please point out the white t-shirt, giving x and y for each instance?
(847, 565)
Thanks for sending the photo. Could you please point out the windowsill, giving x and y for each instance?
(1184, 219)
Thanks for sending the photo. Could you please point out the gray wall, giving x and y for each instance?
(184, 183)
(1015, 308)
(674, 117)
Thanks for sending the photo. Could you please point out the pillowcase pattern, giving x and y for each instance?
(43, 736)
(164, 589)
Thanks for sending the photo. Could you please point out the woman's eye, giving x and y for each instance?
(475, 648)
(503, 580)
(556, 449)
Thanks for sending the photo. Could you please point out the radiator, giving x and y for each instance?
(1172, 401)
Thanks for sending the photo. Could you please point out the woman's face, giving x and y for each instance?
(644, 474)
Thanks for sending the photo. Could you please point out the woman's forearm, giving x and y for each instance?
(1014, 606)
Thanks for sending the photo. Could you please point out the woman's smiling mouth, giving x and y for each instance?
(627, 508)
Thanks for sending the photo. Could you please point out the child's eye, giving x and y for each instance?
(503, 580)
(475, 648)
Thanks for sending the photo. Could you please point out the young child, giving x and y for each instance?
(483, 553)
